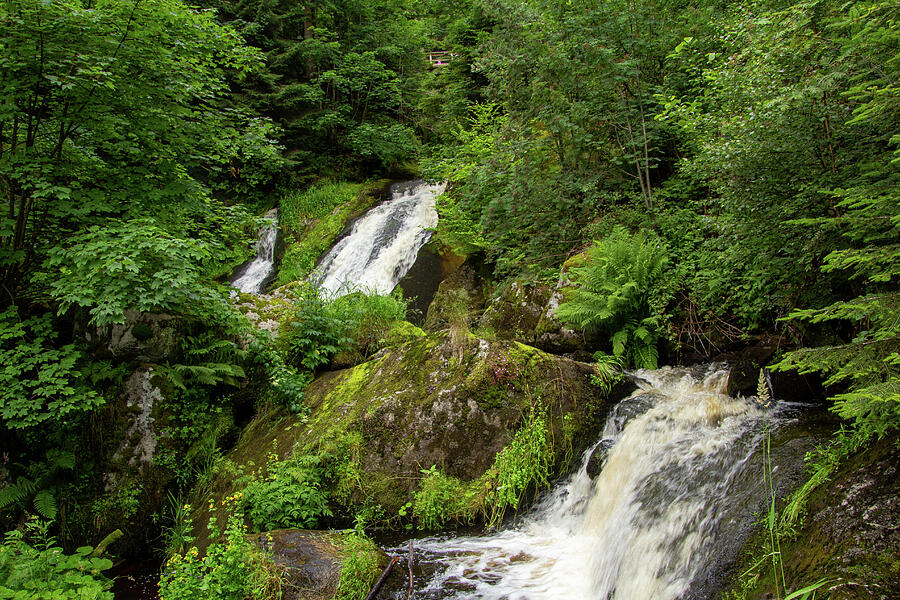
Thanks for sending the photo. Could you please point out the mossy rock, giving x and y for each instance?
(549, 333)
(146, 337)
(850, 533)
(312, 561)
(517, 310)
(460, 296)
(427, 403)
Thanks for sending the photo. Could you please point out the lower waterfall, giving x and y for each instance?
(649, 524)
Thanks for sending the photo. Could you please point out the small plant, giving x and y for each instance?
(523, 464)
(772, 556)
(608, 371)
(439, 499)
(32, 565)
(289, 494)
(232, 569)
(359, 566)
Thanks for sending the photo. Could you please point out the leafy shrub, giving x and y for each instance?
(289, 494)
(370, 317)
(523, 464)
(438, 499)
(232, 569)
(314, 329)
(39, 380)
(615, 292)
(33, 566)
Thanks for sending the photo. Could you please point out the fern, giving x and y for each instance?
(614, 294)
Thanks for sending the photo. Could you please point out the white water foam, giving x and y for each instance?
(255, 273)
(382, 245)
(643, 530)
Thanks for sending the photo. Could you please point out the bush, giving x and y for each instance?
(290, 494)
(33, 566)
(232, 569)
(616, 292)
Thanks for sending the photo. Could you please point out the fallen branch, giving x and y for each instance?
(409, 562)
(382, 579)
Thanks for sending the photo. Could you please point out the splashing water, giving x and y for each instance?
(383, 244)
(645, 528)
(258, 270)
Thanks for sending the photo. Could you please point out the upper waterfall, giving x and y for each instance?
(383, 243)
(255, 273)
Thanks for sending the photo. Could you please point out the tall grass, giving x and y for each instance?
(311, 220)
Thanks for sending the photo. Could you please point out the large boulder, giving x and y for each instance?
(146, 337)
(516, 311)
(428, 403)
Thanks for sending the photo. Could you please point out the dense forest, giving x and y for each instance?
(696, 177)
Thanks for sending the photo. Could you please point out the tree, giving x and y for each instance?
(115, 110)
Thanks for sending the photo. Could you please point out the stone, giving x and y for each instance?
(311, 561)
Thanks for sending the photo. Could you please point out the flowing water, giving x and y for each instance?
(647, 527)
(254, 274)
(383, 244)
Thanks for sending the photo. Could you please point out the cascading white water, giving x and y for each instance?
(255, 273)
(645, 528)
(383, 244)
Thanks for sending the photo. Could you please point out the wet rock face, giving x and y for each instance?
(141, 395)
(312, 561)
(852, 528)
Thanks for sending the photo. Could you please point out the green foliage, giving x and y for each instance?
(617, 292)
(360, 566)
(340, 78)
(111, 112)
(608, 371)
(33, 566)
(41, 485)
(314, 329)
(288, 494)
(311, 221)
(40, 380)
(438, 499)
(524, 464)
(233, 568)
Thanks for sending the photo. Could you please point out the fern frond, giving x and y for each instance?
(45, 504)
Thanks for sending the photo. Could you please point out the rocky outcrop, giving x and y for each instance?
(423, 404)
(312, 561)
(851, 532)
(145, 337)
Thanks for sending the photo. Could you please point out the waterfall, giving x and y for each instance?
(254, 273)
(650, 524)
(383, 244)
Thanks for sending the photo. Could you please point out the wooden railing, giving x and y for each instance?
(439, 58)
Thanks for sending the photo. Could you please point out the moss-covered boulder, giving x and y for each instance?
(317, 563)
(849, 535)
(516, 311)
(429, 407)
(460, 298)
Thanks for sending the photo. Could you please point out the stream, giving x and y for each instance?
(675, 496)
(252, 276)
